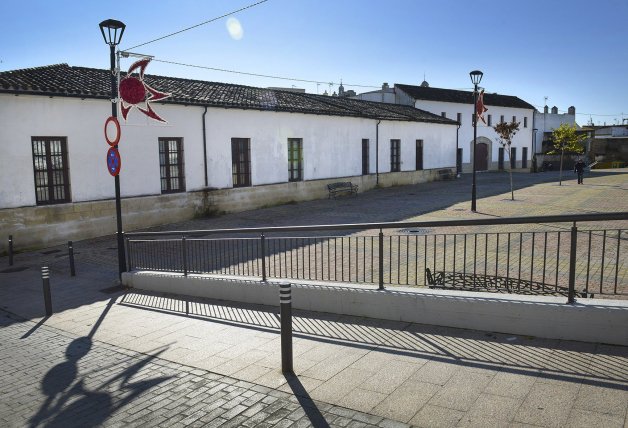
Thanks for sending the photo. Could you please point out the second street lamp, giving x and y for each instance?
(112, 31)
(476, 77)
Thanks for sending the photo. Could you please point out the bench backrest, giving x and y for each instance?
(332, 186)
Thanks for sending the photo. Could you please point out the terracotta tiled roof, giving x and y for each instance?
(62, 80)
(461, 97)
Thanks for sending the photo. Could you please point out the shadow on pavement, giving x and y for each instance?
(314, 415)
(594, 364)
(67, 394)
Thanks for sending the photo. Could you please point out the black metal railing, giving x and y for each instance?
(554, 258)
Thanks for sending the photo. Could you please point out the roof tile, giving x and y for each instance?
(461, 97)
(64, 80)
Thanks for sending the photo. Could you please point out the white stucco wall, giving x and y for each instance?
(332, 145)
(547, 122)
(523, 138)
(82, 123)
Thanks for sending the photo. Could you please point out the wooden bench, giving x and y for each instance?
(445, 174)
(494, 284)
(342, 187)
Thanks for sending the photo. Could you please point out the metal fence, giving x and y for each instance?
(539, 255)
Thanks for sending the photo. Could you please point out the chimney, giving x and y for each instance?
(545, 109)
(554, 110)
(571, 110)
(385, 86)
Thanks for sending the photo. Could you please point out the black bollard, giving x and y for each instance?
(71, 256)
(285, 314)
(10, 250)
(45, 276)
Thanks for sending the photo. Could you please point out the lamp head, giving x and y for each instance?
(112, 31)
(476, 76)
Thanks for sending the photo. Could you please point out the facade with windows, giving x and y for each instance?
(216, 153)
(459, 104)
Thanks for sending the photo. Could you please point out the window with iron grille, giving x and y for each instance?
(50, 166)
(241, 162)
(295, 159)
(365, 156)
(395, 155)
(419, 155)
(171, 165)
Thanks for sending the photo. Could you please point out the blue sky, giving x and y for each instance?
(572, 52)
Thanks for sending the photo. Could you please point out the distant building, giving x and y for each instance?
(458, 105)
(546, 122)
(609, 144)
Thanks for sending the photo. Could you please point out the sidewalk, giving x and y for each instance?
(134, 359)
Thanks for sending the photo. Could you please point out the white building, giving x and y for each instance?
(225, 148)
(546, 122)
(458, 105)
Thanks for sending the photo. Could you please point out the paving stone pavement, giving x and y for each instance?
(53, 379)
(128, 359)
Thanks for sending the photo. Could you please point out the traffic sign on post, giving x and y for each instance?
(114, 162)
(116, 139)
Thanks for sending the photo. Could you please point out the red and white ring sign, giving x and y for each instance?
(112, 135)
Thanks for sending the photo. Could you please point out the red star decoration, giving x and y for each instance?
(134, 92)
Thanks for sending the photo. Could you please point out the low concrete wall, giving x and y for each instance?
(589, 320)
(248, 198)
(42, 226)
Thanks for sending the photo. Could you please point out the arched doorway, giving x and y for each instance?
(483, 148)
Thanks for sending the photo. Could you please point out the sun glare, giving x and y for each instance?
(235, 28)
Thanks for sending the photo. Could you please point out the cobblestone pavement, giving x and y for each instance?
(128, 359)
(53, 379)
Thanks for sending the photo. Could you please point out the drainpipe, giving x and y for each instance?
(377, 152)
(205, 148)
(457, 169)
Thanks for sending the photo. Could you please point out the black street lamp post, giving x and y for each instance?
(476, 77)
(112, 31)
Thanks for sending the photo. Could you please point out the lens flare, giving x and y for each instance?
(235, 29)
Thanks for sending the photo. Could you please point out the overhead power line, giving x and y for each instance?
(293, 79)
(198, 25)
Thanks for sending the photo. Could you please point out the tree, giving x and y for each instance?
(565, 139)
(506, 132)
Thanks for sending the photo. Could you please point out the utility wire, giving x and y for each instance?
(293, 79)
(259, 75)
(198, 25)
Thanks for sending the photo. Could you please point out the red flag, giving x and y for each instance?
(479, 105)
